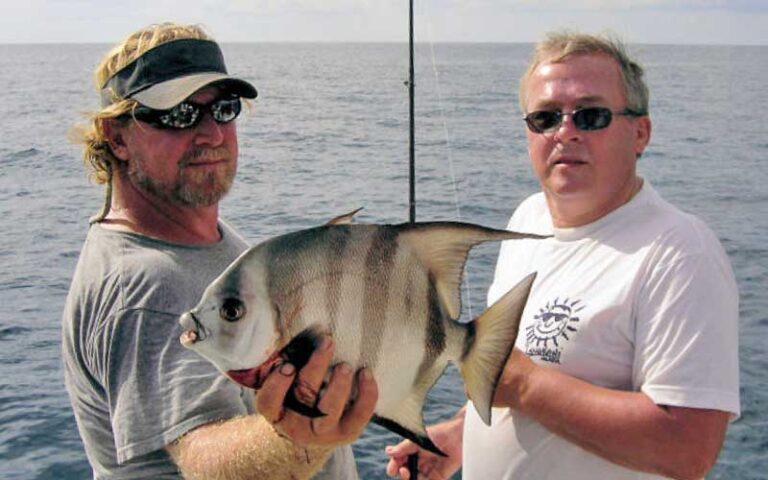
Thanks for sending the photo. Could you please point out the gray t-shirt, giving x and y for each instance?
(134, 389)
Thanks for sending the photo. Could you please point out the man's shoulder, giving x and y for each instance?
(120, 270)
(676, 227)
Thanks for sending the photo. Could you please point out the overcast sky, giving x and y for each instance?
(637, 21)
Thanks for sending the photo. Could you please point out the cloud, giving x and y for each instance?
(647, 21)
(599, 6)
(308, 7)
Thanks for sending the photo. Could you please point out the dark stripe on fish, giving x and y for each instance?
(339, 237)
(231, 288)
(288, 256)
(379, 264)
(409, 289)
(435, 322)
(434, 336)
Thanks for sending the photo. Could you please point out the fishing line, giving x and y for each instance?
(449, 150)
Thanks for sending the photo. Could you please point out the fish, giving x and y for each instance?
(388, 294)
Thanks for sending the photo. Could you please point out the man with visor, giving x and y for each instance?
(165, 144)
(626, 361)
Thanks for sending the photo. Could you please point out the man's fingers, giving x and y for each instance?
(312, 374)
(362, 409)
(334, 399)
(402, 449)
(398, 458)
(395, 466)
(271, 395)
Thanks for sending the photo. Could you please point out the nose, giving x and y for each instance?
(567, 131)
(209, 132)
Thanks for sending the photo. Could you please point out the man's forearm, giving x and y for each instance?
(626, 428)
(245, 448)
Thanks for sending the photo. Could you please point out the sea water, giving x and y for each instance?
(328, 134)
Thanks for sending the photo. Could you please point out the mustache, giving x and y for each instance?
(205, 155)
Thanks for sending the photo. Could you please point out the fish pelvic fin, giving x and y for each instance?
(343, 219)
(420, 439)
(443, 247)
(406, 418)
(493, 336)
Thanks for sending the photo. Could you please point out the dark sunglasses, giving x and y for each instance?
(189, 114)
(589, 118)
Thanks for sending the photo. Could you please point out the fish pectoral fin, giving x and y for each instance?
(443, 248)
(419, 438)
(496, 330)
(343, 219)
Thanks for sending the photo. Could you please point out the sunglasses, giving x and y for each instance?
(589, 118)
(189, 114)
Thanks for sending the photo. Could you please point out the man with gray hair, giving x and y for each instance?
(165, 144)
(626, 363)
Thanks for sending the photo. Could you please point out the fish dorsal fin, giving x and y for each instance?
(343, 219)
(443, 248)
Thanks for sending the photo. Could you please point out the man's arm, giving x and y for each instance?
(244, 448)
(626, 428)
(280, 443)
(447, 435)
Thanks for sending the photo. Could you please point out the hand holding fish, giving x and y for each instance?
(447, 436)
(339, 425)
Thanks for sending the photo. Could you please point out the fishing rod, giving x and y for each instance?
(412, 125)
(413, 459)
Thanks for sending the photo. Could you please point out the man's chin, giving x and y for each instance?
(205, 194)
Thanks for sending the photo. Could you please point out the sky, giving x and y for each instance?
(740, 22)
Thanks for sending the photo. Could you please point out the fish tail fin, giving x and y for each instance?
(491, 339)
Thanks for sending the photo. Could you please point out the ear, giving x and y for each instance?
(643, 134)
(114, 133)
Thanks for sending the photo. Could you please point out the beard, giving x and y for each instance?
(191, 187)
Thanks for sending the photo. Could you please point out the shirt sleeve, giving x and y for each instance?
(686, 342)
(157, 389)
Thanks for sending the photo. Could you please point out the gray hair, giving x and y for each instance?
(561, 44)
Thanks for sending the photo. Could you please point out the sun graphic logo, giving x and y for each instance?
(553, 326)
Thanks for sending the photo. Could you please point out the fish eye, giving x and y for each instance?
(232, 310)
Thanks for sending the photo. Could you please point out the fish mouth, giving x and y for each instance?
(188, 338)
(193, 335)
(254, 377)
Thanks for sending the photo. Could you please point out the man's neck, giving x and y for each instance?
(570, 213)
(137, 211)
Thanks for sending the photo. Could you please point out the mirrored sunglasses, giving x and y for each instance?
(189, 114)
(589, 118)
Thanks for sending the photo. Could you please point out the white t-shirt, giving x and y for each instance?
(643, 299)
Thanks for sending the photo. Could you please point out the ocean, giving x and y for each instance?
(328, 134)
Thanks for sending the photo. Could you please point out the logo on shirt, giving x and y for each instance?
(554, 325)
